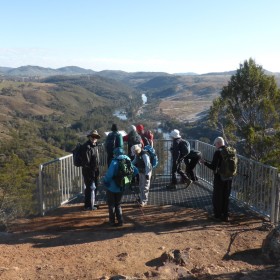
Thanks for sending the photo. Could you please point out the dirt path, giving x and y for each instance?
(73, 244)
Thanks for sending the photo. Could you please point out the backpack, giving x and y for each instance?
(148, 138)
(114, 140)
(134, 139)
(228, 167)
(152, 154)
(146, 141)
(124, 174)
(77, 156)
(184, 147)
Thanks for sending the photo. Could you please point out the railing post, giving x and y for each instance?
(40, 186)
(277, 198)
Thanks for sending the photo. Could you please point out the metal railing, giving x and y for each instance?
(256, 185)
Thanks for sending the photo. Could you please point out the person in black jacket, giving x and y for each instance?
(177, 158)
(113, 140)
(191, 160)
(221, 189)
(132, 138)
(90, 169)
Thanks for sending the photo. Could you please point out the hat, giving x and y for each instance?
(114, 127)
(140, 127)
(132, 128)
(175, 133)
(94, 134)
(118, 151)
(136, 149)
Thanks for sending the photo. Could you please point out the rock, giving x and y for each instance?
(122, 256)
(179, 257)
(271, 246)
(119, 277)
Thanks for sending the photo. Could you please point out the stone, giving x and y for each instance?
(179, 257)
(271, 246)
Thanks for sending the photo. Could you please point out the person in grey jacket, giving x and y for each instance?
(144, 166)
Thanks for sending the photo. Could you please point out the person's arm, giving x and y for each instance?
(111, 171)
(215, 161)
(148, 166)
(175, 152)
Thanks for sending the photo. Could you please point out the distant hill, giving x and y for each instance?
(31, 71)
(5, 69)
(75, 90)
(68, 97)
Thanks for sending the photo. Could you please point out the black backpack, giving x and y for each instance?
(134, 139)
(124, 174)
(78, 155)
(184, 147)
(146, 141)
(114, 140)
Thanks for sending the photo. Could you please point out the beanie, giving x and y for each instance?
(114, 127)
(140, 127)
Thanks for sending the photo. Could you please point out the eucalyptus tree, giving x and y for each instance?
(247, 112)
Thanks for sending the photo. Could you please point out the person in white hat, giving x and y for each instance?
(177, 158)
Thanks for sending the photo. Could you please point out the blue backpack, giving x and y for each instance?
(153, 156)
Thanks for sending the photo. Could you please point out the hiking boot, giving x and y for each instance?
(225, 219)
(214, 218)
(188, 182)
(171, 187)
(143, 204)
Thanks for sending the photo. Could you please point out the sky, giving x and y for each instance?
(173, 36)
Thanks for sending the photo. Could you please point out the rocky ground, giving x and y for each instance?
(156, 242)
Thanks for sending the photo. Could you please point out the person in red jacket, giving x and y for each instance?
(147, 136)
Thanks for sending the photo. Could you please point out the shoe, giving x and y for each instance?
(112, 224)
(143, 204)
(188, 182)
(171, 187)
(90, 208)
(225, 219)
(215, 218)
(119, 224)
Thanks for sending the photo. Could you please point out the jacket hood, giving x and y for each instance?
(122, 157)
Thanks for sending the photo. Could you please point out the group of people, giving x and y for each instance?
(136, 140)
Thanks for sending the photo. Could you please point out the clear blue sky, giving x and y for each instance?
(146, 35)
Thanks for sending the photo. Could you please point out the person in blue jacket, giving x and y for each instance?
(114, 193)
